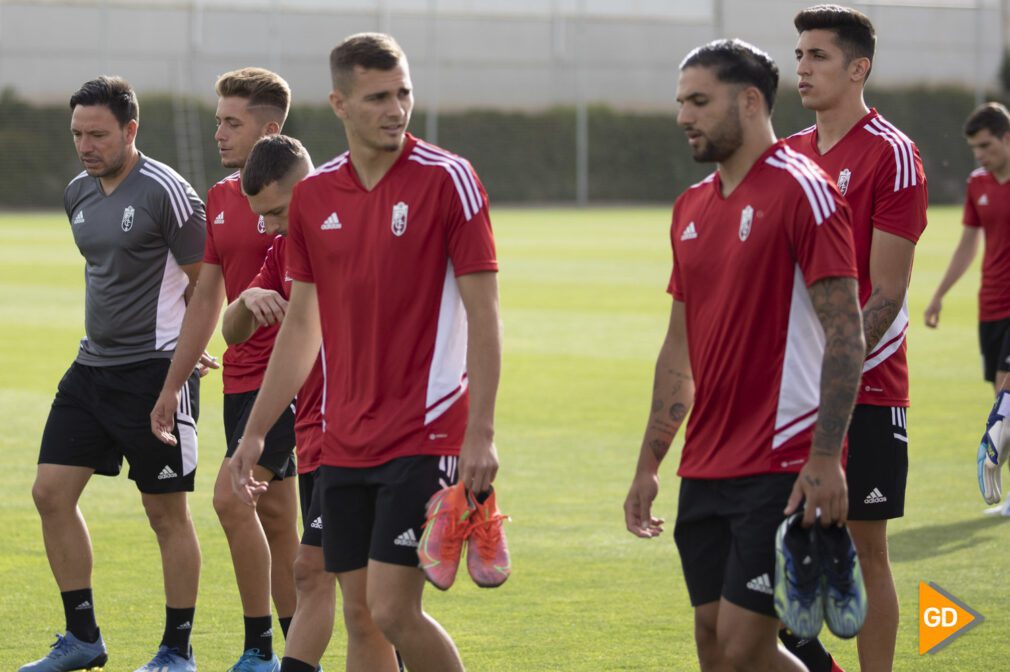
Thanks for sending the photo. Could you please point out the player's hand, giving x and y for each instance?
(638, 506)
(994, 449)
(478, 464)
(932, 314)
(206, 363)
(240, 468)
(267, 306)
(163, 416)
(821, 483)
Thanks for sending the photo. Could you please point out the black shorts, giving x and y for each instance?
(102, 414)
(877, 469)
(725, 533)
(377, 512)
(994, 340)
(312, 514)
(278, 449)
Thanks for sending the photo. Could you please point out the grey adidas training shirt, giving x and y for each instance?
(133, 243)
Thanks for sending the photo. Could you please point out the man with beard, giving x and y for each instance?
(140, 228)
(767, 354)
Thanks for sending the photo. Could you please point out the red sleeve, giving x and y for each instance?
(271, 275)
(971, 217)
(299, 265)
(824, 249)
(674, 287)
(468, 230)
(210, 255)
(901, 195)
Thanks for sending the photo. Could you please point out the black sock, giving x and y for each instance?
(178, 626)
(259, 634)
(79, 610)
(295, 665)
(810, 651)
(285, 626)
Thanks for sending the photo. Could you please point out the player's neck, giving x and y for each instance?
(834, 123)
(733, 170)
(371, 165)
(109, 183)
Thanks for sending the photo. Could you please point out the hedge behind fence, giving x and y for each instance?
(521, 157)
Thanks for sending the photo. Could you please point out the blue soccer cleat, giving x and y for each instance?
(798, 580)
(993, 450)
(69, 653)
(170, 660)
(844, 592)
(252, 661)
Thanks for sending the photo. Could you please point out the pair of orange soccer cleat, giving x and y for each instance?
(456, 516)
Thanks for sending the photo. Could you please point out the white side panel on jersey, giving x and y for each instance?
(447, 375)
(171, 305)
(322, 400)
(799, 395)
(890, 341)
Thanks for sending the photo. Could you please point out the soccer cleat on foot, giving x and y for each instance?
(798, 584)
(844, 592)
(69, 653)
(445, 530)
(487, 553)
(252, 661)
(170, 659)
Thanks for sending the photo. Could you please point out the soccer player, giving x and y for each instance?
(878, 170)
(275, 164)
(394, 269)
(252, 103)
(140, 228)
(986, 215)
(764, 341)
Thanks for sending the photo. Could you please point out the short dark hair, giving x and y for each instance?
(371, 51)
(854, 33)
(272, 159)
(113, 92)
(992, 117)
(260, 87)
(737, 62)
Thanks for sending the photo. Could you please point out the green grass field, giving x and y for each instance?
(585, 311)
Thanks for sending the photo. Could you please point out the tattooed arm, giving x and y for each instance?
(890, 269)
(672, 396)
(821, 482)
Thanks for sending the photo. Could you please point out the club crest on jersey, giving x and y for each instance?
(261, 226)
(127, 222)
(746, 219)
(399, 224)
(843, 180)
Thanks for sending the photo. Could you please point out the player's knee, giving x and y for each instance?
(707, 641)
(741, 652)
(310, 575)
(228, 507)
(165, 521)
(49, 500)
(358, 620)
(873, 556)
(392, 619)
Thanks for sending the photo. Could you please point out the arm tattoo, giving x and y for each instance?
(678, 412)
(878, 314)
(659, 449)
(837, 305)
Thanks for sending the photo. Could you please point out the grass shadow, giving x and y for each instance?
(927, 542)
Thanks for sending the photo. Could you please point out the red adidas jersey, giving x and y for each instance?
(385, 263)
(878, 170)
(987, 205)
(309, 407)
(742, 266)
(237, 242)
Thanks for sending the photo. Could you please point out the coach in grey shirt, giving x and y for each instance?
(140, 228)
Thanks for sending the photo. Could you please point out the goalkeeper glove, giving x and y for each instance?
(994, 449)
